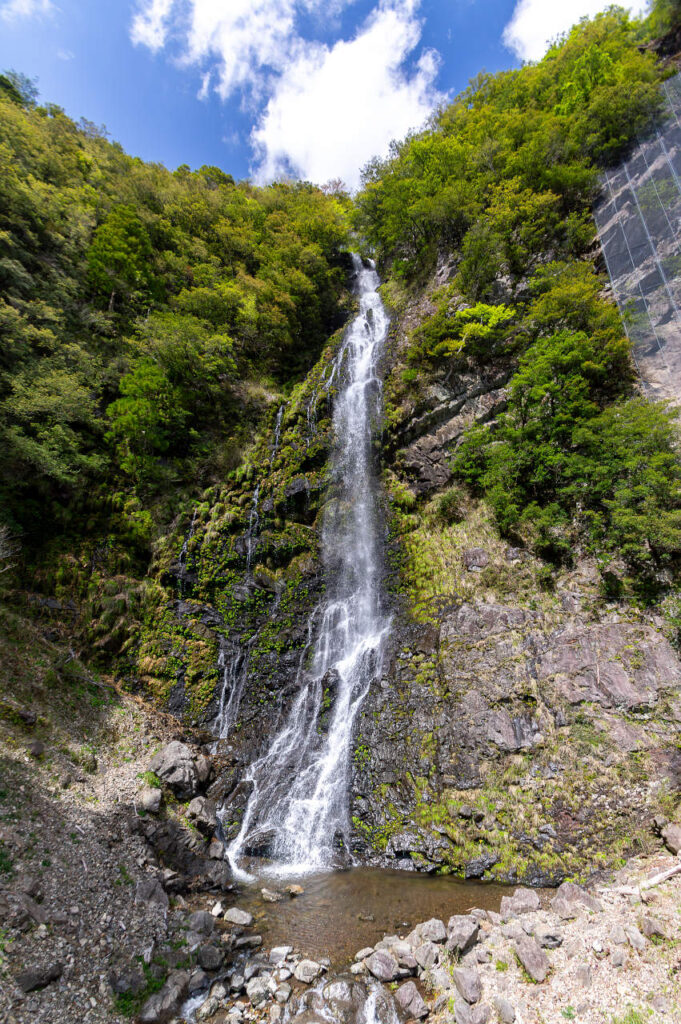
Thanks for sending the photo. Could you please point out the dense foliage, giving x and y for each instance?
(145, 316)
(503, 182)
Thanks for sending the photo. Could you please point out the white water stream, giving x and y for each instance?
(298, 807)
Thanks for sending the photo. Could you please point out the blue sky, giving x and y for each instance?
(266, 88)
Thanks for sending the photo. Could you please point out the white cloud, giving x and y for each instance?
(535, 23)
(150, 24)
(320, 111)
(336, 107)
(12, 10)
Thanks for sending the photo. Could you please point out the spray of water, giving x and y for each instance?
(298, 806)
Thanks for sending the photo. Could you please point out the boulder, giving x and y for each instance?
(426, 955)
(475, 559)
(202, 812)
(279, 953)
(409, 999)
(672, 838)
(210, 958)
(652, 927)
(176, 766)
(433, 930)
(463, 933)
(533, 958)
(467, 981)
(383, 965)
(239, 917)
(165, 1004)
(202, 922)
(38, 977)
(505, 1010)
(570, 892)
(547, 937)
(149, 799)
(523, 901)
(466, 1014)
(308, 971)
(257, 991)
(150, 890)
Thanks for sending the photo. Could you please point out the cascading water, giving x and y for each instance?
(298, 807)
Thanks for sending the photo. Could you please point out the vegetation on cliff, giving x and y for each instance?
(503, 183)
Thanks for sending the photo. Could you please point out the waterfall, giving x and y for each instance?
(298, 808)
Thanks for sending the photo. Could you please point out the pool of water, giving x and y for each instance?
(340, 912)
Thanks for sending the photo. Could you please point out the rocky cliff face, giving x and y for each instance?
(524, 728)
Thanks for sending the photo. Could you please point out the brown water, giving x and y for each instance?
(342, 911)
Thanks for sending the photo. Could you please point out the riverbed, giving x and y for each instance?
(340, 912)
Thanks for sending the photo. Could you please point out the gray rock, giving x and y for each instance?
(363, 953)
(202, 922)
(149, 799)
(236, 983)
(257, 991)
(203, 813)
(165, 1004)
(210, 1006)
(359, 968)
(248, 942)
(548, 937)
(652, 927)
(475, 559)
(198, 981)
(439, 979)
(131, 980)
(279, 953)
(465, 1014)
(176, 766)
(636, 940)
(283, 993)
(408, 998)
(308, 970)
(150, 890)
(426, 955)
(618, 957)
(434, 930)
(505, 1010)
(565, 909)
(467, 981)
(210, 958)
(463, 933)
(240, 917)
(672, 837)
(383, 965)
(38, 977)
(573, 893)
(583, 976)
(532, 958)
(523, 901)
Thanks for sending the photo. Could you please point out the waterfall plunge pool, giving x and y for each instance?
(340, 912)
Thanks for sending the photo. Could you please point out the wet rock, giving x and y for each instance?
(294, 890)
(279, 953)
(38, 977)
(383, 965)
(308, 971)
(165, 1004)
(533, 959)
(283, 993)
(217, 909)
(239, 917)
(467, 981)
(198, 981)
(248, 942)
(236, 983)
(210, 958)
(270, 896)
(364, 953)
(477, 867)
(176, 766)
(433, 930)
(409, 1000)
(203, 813)
(672, 838)
(463, 933)
(208, 1008)
(257, 991)
(523, 901)
(149, 799)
